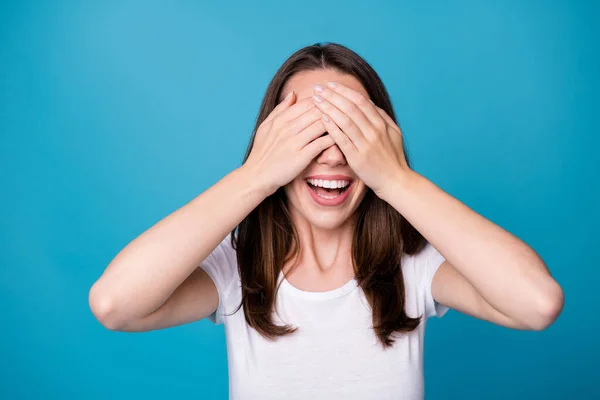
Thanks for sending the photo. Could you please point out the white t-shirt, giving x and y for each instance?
(334, 354)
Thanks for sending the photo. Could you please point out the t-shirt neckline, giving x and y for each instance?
(330, 294)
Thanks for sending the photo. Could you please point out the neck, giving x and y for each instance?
(324, 258)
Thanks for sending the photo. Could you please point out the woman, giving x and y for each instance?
(324, 253)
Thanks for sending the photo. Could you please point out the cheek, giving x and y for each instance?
(362, 191)
(294, 188)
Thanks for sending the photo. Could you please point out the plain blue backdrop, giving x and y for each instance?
(114, 114)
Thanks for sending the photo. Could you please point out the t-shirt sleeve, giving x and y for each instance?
(431, 261)
(221, 266)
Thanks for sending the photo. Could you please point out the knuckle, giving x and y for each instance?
(379, 123)
(354, 109)
(274, 126)
(362, 100)
(282, 129)
(373, 133)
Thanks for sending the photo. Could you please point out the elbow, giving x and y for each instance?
(103, 308)
(548, 307)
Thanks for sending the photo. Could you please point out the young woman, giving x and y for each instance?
(324, 253)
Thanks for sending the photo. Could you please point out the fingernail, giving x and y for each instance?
(326, 118)
(317, 98)
(331, 84)
(318, 88)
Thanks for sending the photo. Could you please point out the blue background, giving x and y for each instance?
(114, 114)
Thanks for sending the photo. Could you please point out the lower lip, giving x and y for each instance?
(336, 201)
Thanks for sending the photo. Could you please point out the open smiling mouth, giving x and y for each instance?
(329, 197)
(328, 193)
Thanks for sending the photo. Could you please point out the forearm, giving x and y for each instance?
(145, 273)
(504, 270)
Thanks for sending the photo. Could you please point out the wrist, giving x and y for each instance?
(253, 177)
(401, 184)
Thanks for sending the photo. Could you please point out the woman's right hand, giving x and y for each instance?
(287, 141)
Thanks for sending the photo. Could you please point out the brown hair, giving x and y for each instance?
(266, 239)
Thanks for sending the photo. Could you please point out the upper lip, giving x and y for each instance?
(330, 177)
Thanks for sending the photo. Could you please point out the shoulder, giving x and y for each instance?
(222, 257)
(418, 270)
(222, 267)
(423, 261)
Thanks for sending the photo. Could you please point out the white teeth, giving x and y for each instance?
(328, 184)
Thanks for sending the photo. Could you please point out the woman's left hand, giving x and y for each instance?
(368, 137)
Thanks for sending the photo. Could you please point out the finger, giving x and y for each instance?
(282, 106)
(314, 148)
(310, 133)
(396, 133)
(295, 110)
(343, 121)
(390, 122)
(368, 108)
(296, 125)
(348, 107)
(346, 145)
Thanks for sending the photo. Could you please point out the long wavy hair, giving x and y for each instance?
(267, 239)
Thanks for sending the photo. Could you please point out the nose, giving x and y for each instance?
(332, 156)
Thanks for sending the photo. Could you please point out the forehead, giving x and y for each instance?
(302, 82)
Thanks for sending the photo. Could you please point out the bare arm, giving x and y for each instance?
(162, 263)
(155, 282)
(488, 273)
(193, 300)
